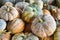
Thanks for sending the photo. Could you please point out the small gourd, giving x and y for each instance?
(8, 12)
(57, 34)
(2, 24)
(15, 26)
(44, 26)
(5, 36)
(20, 6)
(30, 12)
(22, 36)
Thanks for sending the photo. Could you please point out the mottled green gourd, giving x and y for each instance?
(58, 3)
(30, 12)
(2, 25)
(57, 34)
(22, 36)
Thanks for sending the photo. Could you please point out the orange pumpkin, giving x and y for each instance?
(16, 26)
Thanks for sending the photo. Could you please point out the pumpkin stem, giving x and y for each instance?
(2, 31)
(46, 38)
(40, 20)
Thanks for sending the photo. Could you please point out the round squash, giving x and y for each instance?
(22, 36)
(13, 1)
(47, 1)
(57, 34)
(56, 13)
(2, 24)
(8, 12)
(44, 26)
(5, 36)
(30, 12)
(15, 26)
(20, 6)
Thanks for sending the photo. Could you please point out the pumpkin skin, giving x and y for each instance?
(15, 26)
(2, 24)
(57, 34)
(22, 36)
(13, 1)
(56, 13)
(5, 36)
(20, 6)
(43, 26)
(30, 12)
(47, 1)
(58, 3)
(8, 12)
(38, 2)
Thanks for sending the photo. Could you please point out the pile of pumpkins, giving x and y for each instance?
(29, 19)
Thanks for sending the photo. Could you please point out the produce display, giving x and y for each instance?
(29, 19)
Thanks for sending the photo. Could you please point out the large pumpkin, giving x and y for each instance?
(2, 24)
(44, 26)
(8, 12)
(5, 36)
(57, 34)
(22, 36)
(30, 12)
(15, 26)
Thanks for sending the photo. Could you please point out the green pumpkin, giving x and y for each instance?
(58, 3)
(30, 12)
(22, 36)
(57, 34)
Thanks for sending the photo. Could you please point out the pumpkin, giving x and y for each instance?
(13, 1)
(2, 24)
(28, 28)
(44, 26)
(30, 12)
(47, 1)
(22, 36)
(5, 36)
(56, 13)
(20, 6)
(57, 34)
(38, 2)
(8, 12)
(15, 26)
(58, 3)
